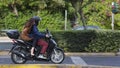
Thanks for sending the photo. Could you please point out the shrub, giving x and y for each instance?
(49, 20)
(88, 40)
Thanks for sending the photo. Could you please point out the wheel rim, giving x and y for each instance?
(18, 59)
(57, 58)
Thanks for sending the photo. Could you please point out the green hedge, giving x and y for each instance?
(88, 40)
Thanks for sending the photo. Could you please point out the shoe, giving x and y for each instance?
(42, 56)
(32, 55)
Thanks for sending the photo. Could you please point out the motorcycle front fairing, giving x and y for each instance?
(53, 42)
(56, 47)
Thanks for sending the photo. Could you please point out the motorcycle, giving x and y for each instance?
(20, 51)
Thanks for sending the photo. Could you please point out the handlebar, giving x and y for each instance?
(48, 32)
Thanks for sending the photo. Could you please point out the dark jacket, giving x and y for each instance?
(35, 33)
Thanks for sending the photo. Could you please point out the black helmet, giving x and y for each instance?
(37, 19)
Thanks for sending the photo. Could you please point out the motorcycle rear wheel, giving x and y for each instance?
(17, 59)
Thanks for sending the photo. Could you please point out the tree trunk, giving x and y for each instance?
(15, 11)
(81, 14)
(77, 4)
(75, 18)
(82, 18)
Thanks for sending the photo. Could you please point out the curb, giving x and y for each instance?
(6, 52)
(91, 54)
(52, 66)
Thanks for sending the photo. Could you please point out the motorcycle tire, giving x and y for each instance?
(16, 61)
(57, 56)
(16, 58)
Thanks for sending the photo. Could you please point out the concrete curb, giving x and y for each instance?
(6, 52)
(52, 66)
(91, 54)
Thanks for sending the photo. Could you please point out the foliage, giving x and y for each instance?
(88, 40)
(13, 22)
(95, 14)
(99, 14)
(48, 20)
(51, 20)
(89, 12)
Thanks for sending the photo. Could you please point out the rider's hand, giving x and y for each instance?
(47, 35)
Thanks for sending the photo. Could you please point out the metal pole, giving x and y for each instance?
(112, 24)
(65, 19)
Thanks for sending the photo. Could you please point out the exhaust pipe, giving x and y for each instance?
(19, 54)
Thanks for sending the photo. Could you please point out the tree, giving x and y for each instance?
(12, 4)
(86, 12)
(78, 6)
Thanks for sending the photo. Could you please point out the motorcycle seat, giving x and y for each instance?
(28, 42)
(24, 42)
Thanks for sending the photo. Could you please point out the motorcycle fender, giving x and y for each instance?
(14, 45)
(59, 48)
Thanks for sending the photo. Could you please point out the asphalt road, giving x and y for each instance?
(80, 60)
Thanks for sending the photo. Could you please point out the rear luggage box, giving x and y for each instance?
(13, 34)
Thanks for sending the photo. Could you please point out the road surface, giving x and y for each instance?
(79, 60)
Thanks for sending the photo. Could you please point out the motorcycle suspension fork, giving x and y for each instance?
(55, 51)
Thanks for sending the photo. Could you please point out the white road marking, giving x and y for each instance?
(4, 56)
(78, 60)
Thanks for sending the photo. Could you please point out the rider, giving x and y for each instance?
(38, 37)
(26, 30)
(31, 32)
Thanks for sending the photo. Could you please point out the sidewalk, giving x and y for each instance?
(5, 39)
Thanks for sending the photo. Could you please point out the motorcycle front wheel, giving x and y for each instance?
(57, 56)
